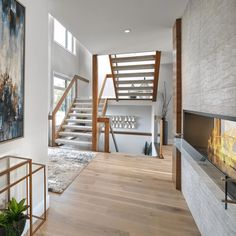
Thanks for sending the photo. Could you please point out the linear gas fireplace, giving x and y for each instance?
(214, 137)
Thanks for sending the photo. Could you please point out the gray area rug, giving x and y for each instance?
(64, 166)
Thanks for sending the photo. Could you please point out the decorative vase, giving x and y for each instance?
(165, 131)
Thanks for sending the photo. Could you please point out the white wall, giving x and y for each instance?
(66, 63)
(34, 143)
(85, 70)
(208, 46)
(166, 75)
(133, 144)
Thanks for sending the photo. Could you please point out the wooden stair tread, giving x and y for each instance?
(79, 120)
(81, 109)
(74, 134)
(134, 88)
(77, 127)
(134, 82)
(132, 75)
(134, 67)
(133, 59)
(73, 142)
(80, 114)
(78, 100)
(134, 94)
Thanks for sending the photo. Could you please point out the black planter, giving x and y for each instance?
(3, 231)
(165, 132)
(17, 228)
(20, 226)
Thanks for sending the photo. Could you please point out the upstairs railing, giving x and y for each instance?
(71, 90)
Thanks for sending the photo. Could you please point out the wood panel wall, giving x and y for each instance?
(177, 99)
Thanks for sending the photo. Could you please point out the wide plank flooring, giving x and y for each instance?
(121, 195)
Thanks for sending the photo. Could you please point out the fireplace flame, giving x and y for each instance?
(222, 147)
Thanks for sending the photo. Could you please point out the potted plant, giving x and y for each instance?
(13, 219)
(165, 104)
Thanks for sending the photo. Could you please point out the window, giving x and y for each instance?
(69, 41)
(64, 37)
(59, 33)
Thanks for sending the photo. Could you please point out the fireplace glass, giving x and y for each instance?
(214, 137)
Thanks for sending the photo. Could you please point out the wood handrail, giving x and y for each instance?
(59, 104)
(62, 99)
(102, 89)
(108, 76)
(67, 113)
(78, 77)
(104, 109)
(113, 77)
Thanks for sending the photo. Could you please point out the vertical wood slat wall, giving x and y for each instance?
(177, 99)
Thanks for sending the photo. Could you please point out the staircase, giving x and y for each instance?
(76, 129)
(135, 76)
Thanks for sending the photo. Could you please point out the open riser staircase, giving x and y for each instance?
(76, 130)
(135, 75)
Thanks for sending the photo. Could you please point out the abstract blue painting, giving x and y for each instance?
(12, 66)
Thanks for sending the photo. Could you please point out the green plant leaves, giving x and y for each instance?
(13, 216)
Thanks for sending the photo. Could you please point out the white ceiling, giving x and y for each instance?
(99, 24)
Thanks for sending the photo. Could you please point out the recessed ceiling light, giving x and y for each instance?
(127, 31)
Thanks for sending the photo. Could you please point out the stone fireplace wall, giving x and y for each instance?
(208, 85)
(209, 56)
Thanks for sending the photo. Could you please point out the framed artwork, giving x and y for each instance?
(12, 69)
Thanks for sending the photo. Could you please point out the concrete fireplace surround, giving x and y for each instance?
(204, 196)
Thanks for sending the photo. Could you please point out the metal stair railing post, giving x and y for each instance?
(114, 139)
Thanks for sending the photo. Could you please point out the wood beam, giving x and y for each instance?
(177, 100)
(95, 103)
(156, 75)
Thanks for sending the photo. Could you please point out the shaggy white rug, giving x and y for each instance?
(64, 166)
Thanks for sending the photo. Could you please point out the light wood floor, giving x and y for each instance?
(121, 195)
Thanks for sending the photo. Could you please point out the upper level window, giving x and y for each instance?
(64, 38)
